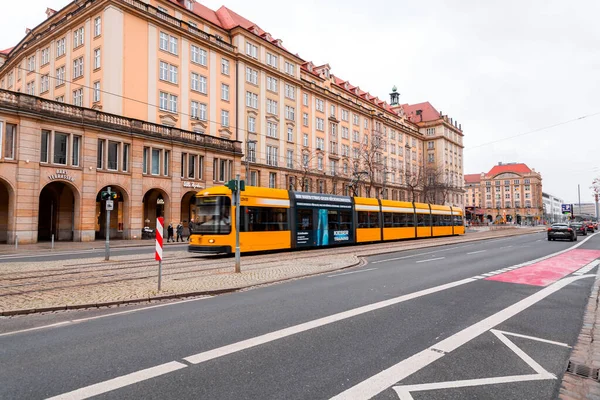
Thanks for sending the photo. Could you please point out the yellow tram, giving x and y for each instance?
(276, 219)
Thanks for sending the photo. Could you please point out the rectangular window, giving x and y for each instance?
(272, 60)
(271, 129)
(163, 41)
(60, 76)
(224, 118)
(96, 92)
(320, 125)
(45, 56)
(78, 97)
(271, 106)
(61, 145)
(251, 100)
(305, 99)
(191, 173)
(223, 170)
(251, 75)
(60, 47)
(224, 66)
(97, 60)
(305, 119)
(198, 83)
(44, 147)
(272, 84)
(199, 56)
(272, 156)
(290, 91)
(31, 64)
(251, 151)
(100, 154)
(126, 149)
(76, 151)
(305, 140)
(332, 111)
(272, 179)
(251, 50)
(77, 37)
(113, 156)
(184, 157)
(202, 112)
(319, 105)
(166, 163)
(251, 124)
(224, 92)
(97, 26)
(155, 161)
(78, 68)
(290, 134)
(290, 158)
(289, 68)
(44, 83)
(194, 109)
(173, 45)
(31, 88)
(290, 113)
(167, 102)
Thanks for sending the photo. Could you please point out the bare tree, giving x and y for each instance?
(413, 181)
(436, 185)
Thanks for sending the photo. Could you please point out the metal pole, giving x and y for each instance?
(53, 241)
(236, 195)
(247, 160)
(16, 242)
(107, 232)
(159, 274)
(579, 196)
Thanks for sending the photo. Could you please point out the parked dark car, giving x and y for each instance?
(579, 228)
(562, 231)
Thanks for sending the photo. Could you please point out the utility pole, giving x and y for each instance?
(579, 197)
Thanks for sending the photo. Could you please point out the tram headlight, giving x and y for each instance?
(211, 240)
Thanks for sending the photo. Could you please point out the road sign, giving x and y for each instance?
(109, 205)
(566, 208)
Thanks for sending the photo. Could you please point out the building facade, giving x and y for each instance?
(509, 193)
(180, 65)
(552, 208)
(55, 159)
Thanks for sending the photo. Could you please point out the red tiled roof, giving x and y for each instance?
(428, 112)
(5, 52)
(472, 178)
(203, 12)
(519, 168)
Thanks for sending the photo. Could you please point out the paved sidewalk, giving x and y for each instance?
(27, 287)
(582, 382)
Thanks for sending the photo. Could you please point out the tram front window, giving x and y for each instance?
(213, 215)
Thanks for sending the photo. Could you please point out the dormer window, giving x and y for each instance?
(189, 4)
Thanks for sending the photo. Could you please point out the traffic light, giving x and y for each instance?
(108, 196)
(232, 185)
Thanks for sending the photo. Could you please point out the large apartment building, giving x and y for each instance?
(214, 74)
(508, 193)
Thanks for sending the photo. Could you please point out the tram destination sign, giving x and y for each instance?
(61, 174)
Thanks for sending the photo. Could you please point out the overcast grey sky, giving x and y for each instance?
(501, 68)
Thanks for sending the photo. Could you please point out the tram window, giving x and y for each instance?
(262, 219)
(388, 219)
(304, 220)
(458, 221)
(423, 220)
(447, 220)
(345, 220)
(373, 220)
(363, 219)
(436, 220)
(212, 215)
(333, 220)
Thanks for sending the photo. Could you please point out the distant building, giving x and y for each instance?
(508, 193)
(552, 208)
(586, 210)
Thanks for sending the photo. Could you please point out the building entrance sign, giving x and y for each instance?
(61, 174)
(192, 185)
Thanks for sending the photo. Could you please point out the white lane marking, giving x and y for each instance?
(587, 268)
(537, 339)
(430, 259)
(404, 392)
(378, 383)
(478, 277)
(292, 330)
(119, 382)
(504, 247)
(75, 321)
(478, 251)
(420, 254)
(351, 272)
(488, 274)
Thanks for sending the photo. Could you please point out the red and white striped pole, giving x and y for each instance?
(159, 246)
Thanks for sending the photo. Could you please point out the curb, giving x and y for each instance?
(361, 261)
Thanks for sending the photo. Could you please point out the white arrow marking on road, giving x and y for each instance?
(378, 383)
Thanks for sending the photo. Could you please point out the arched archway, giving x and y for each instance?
(156, 204)
(58, 212)
(188, 211)
(490, 218)
(6, 212)
(119, 216)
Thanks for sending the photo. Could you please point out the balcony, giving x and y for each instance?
(24, 104)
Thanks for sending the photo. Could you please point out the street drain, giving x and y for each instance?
(582, 370)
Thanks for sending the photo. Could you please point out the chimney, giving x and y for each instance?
(500, 163)
(441, 115)
(420, 114)
(50, 12)
(460, 127)
(27, 30)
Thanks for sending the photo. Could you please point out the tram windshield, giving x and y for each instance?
(213, 215)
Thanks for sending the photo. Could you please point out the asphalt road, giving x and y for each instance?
(423, 324)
